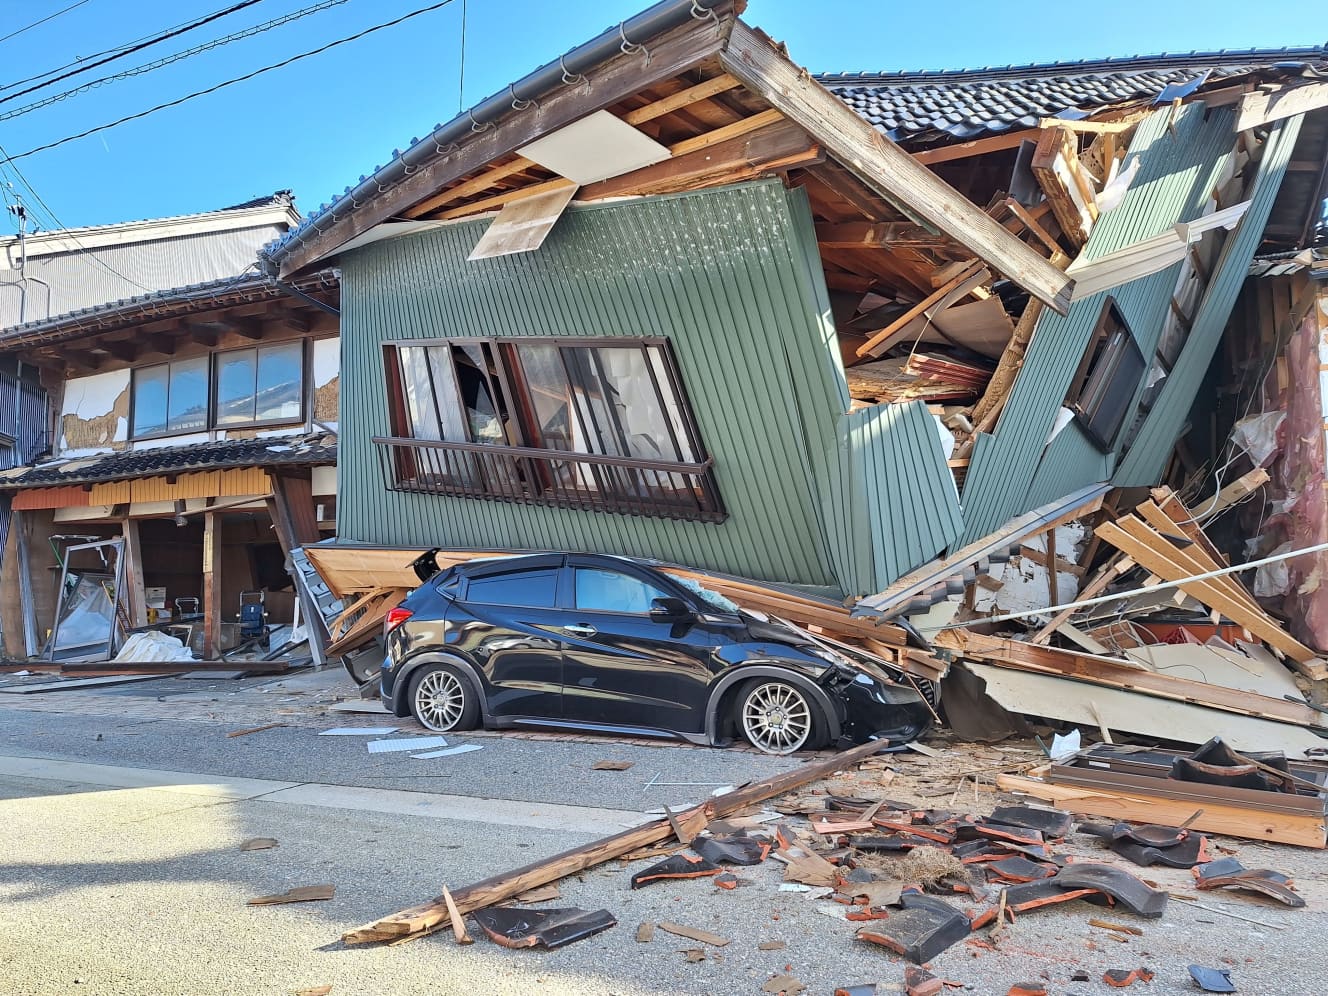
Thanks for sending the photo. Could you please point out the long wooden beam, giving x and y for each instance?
(420, 920)
(1165, 566)
(1265, 106)
(887, 169)
(977, 147)
(872, 345)
(683, 98)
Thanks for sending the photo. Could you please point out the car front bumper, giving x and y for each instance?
(894, 713)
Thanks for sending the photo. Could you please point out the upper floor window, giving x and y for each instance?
(255, 386)
(614, 411)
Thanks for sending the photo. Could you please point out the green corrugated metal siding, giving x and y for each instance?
(1147, 458)
(1009, 472)
(732, 277)
(907, 482)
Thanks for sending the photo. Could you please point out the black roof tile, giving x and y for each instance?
(273, 451)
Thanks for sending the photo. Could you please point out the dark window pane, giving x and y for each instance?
(280, 379)
(626, 403)
(530, 589)
(484, 414)
(150, 400)
(235, 387)
(612, 591)
(188, 401)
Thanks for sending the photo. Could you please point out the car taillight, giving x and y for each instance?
(395, 617)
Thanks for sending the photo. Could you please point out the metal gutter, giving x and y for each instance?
(567, 69)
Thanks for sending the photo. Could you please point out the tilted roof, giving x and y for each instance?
(970, 103)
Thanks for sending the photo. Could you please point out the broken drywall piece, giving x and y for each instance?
(1065, 745)
(409, 743)
(448, 752)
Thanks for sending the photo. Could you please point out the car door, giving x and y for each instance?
(622, 668)
(510, 626)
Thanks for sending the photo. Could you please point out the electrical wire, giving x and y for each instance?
(157, 40)
(168, 60)
(230, 82)
(461, 80)
(48, 17)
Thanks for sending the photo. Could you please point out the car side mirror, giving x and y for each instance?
(670, 610)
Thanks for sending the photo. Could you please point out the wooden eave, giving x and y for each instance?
(730, 106)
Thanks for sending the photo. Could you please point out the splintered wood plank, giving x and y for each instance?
(872, 345)
(1265, 106)
(301, 894)
(1166, 567)
(717, 135)
(1139, 807)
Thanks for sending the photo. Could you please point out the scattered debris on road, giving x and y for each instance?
(300, 894)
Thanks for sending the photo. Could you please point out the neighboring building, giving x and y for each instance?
(657, 369)
(189, 413)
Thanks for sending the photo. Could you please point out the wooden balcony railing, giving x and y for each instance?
(530, 476)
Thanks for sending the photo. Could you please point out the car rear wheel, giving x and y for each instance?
(442, 699)
(777, 717)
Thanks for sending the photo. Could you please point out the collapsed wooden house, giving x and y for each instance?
(849, 336)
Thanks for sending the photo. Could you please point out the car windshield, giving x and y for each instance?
(713, 599)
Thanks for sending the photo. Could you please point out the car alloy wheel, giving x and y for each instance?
(776, 717)
(440, 700)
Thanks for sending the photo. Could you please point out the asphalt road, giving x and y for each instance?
(121, 872)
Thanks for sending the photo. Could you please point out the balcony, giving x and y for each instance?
(529, 476)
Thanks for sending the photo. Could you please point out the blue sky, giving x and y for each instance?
(317, 125)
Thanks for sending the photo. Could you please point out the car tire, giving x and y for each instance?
(442, 699)
(778, 717)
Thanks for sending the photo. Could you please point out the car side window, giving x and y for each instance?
(530, 589)
(611, 591)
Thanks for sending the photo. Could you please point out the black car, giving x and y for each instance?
(606, 643)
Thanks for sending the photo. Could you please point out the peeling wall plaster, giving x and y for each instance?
(94, 414)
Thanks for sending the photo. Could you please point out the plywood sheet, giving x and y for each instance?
(1076, 702)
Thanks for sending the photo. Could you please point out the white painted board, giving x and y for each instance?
(449, 752)
(408, 743)
(358, 731)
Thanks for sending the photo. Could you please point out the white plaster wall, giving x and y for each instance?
(327, 359)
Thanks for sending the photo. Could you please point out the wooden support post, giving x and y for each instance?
(295, 521)
(135, 597)
(211, 585)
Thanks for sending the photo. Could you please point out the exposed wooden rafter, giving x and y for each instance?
(886, 168)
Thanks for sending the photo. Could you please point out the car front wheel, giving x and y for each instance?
(442, 699)
(777, 717)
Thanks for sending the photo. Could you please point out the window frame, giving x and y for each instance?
(215, 383)
(522, 430)
(213, 369)
(1103, 361)
(168, 431)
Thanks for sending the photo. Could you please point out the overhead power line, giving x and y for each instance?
(48, 17)
(230, 82)
(160, 63)
(148, 43)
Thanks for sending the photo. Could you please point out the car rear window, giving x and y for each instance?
(530, 589)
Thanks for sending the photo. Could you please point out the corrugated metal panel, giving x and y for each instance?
(70, 497)
(1070, 463)
(720, 273)
(114, 493)
(104, 274)
(1181, 160)
(910, 492)
(1145, 461)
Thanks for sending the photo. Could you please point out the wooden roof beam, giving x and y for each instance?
(621, 76)
(884, 167)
